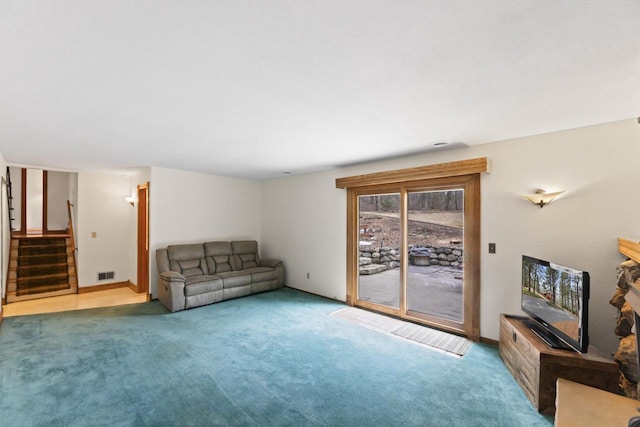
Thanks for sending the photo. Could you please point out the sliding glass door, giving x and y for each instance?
(415, 251)
(435, 261)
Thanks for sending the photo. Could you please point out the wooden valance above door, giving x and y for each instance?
(440, 170)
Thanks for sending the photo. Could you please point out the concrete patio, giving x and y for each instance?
(434, 290)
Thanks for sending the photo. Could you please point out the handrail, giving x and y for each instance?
(71, 233)
(9, 199)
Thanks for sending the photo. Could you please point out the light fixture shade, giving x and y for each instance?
(540, 198)
(131, 199)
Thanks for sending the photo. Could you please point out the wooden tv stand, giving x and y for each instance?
(536, 366)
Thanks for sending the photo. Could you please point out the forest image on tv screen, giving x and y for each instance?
(553, 293)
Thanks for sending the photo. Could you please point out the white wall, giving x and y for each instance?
(102, 209)
(58, 190)
(304, 224)
(304, 217)
(188, 207)
(34, 199)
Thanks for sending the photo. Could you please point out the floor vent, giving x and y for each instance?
(106, 275)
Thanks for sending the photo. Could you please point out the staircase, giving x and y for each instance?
(40, 267)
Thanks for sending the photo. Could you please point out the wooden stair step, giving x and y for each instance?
(42, 241)
(42, 280)
(41, 269)
(25, 260)
(41, 289)
(41, 250)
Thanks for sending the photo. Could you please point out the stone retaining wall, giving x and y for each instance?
(375, 260)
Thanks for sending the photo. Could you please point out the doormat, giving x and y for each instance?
(434, 338)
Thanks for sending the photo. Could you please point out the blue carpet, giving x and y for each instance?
(271, 359)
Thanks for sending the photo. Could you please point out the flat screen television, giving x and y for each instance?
(556, 298)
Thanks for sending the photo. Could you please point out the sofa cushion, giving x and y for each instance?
(262, 274)
(231, 279)
(201, 279)
(248, 261)
(196, 285)
(195, 267)
(217, 248)
(218, 256)
(245, 254)
(187, 260)
(185, 252)
(218, 263)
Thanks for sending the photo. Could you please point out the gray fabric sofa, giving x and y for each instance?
(192, 275)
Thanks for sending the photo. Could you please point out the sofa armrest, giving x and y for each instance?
(171, 290)
(278, 266)
(172, 276)
(270, 262)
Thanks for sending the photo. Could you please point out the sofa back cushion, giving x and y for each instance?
(218, 256)
(245, 254)
(187, 260)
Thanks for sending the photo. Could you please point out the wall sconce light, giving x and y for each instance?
(131, 199)
(541, 198)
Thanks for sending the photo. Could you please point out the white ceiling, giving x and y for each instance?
(253, 88)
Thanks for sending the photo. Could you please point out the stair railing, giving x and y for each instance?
(10, 199)
(74, 245)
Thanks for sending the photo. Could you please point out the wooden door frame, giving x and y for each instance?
(142, 246)
(23, 201)
(45, 202)
(465, 171)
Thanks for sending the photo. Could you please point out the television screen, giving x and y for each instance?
(556, 297)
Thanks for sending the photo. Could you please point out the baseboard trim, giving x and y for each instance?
(107, 286)
(488, 341)
(132, 286)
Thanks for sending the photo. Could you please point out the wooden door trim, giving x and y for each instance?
(45, 202)
(471, 295)
(23, 201)
(352, 249)
(404, 176)
(142, 245)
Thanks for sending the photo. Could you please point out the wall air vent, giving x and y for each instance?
(106, 275)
